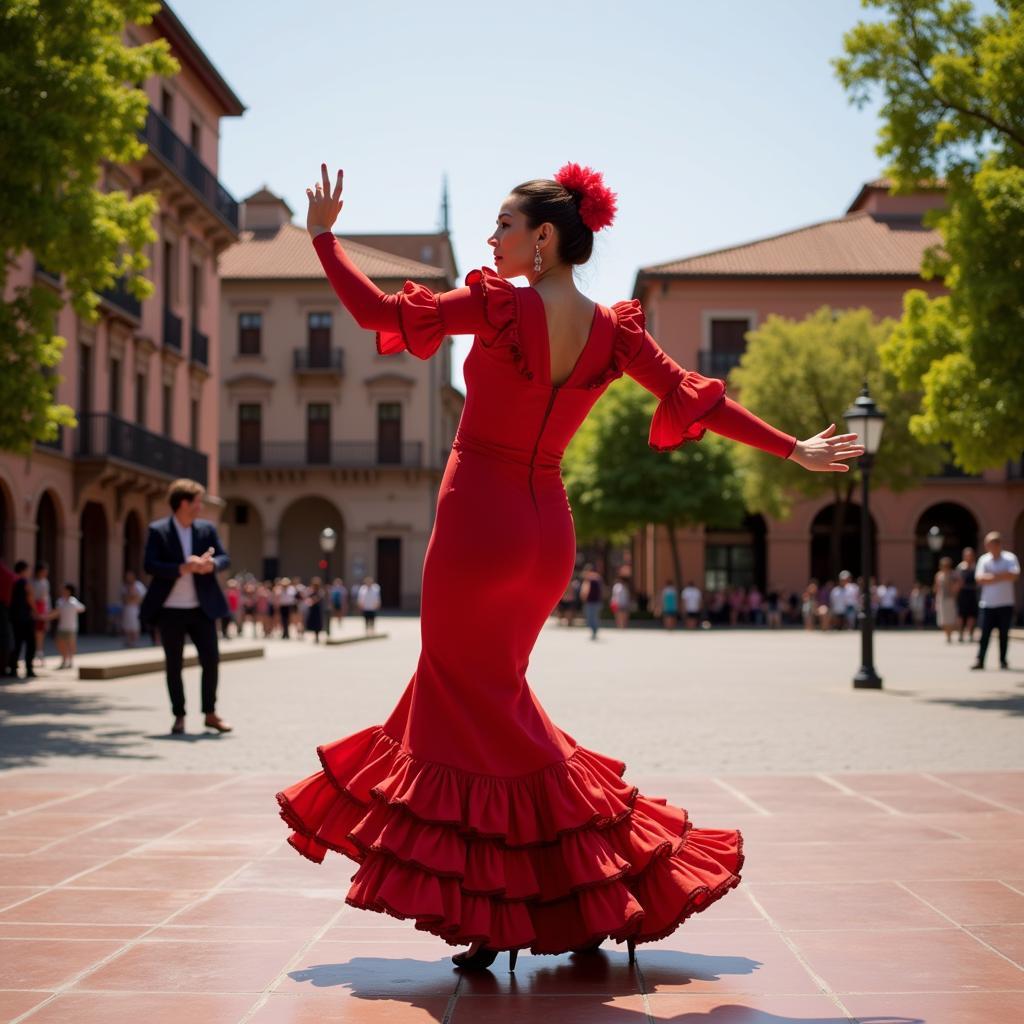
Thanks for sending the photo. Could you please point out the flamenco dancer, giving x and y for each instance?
(469, 811)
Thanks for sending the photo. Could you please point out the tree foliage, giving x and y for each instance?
(953, 88)
(617, 483)
(69, 102)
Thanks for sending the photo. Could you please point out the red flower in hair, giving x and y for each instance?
(596, 200)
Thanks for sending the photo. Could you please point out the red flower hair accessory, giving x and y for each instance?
(596, 200)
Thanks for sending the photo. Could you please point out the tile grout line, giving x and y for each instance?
(847, 791)
(973, 796)
(131, 942)
(961, 927)
(824, 988)
(733, 791)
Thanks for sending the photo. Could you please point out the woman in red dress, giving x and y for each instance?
(469, 810)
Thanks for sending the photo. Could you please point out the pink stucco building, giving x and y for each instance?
(143, 380)
(700, 308)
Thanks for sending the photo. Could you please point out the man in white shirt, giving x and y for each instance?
(996, 573)
(692, 602)
(183, 552)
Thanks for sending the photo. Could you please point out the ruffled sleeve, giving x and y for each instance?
(686, 397)
(421, 327)
(499, 329)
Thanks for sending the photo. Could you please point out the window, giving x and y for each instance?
(250, 425)
(250, 327)
(318, 432)
(115, 386)
(728, 565)
(170, 268)
(193, 423)
(195, 136)
(389, 432)
(140, 399)
(728, 343)
(319, 340)
(168, 424)
(84, 378)
(167, 104)
(196, 293)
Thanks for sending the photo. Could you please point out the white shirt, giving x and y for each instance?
(837, 599)
(887, 596)
(691, 599)
(183, 593)
(996, 595)
(852, 592)
(68, 609)
(368, 597)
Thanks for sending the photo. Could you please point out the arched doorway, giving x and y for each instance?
(959, 530)
(298, 544)
(47, 546)
(736, 557)
(245, 537)
(836, 545)
(132, 544)
(92, 561)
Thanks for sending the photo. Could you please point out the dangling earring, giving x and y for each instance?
(537, 259)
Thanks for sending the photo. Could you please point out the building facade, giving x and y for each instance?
(700, 310)
(317, 429)
(143, 379)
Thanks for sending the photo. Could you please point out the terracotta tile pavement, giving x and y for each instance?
(875, 898)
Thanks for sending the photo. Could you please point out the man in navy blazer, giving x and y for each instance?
(183, 552)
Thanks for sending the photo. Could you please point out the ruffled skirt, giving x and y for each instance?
(552, 861)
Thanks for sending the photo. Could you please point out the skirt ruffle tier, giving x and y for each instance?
(551, 861)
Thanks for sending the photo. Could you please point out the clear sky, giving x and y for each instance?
(716, 122)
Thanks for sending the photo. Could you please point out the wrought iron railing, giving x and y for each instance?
(104, 435)
(330, 360)
(200, 348)
(172, 330)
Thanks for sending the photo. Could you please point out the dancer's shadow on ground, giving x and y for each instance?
(606, 975)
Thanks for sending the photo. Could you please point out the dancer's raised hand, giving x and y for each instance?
(324, 205)
(824, 452)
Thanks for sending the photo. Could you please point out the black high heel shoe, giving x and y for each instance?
(631, 946)
(483, 958)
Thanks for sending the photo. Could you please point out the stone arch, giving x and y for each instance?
(959, 530)
(298, 544)
(7, 522)
(823, 559)
(133, 544)
(49, 530)
(92, 561)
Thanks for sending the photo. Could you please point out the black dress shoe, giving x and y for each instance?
(977, 665)
(178, 727)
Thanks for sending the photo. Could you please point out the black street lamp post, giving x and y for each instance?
(866, 420)
(328, 539)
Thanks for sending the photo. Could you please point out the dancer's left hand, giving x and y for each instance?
(324, 205)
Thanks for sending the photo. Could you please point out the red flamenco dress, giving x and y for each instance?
(469, 810)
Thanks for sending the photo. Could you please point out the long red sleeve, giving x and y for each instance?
(730, 419)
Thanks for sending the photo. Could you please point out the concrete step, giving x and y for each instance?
(142, 660)
(334, 641)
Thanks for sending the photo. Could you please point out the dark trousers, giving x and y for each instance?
(995, 618)
(174, 624)
(24, 631)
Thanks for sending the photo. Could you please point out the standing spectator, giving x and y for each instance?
(185, 597)
(286, 598)
(315, 608)
(339, 601)
(967, 596)
(773, 610)
(887, 596)
(43, 604)
(997, 571)
(669, 605)
(233, 595)
(918, 599)
(132, 593)
(23, 621)
(66, 613)
(809, 605)
(7, 579)
(620, 602)
(693, 601)
(565, 603)
(755, 602)
(851, 592)
(837, 604)
(368, 600)
(592, 595)
(944, 587)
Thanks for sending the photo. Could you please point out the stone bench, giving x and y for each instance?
(138, 661)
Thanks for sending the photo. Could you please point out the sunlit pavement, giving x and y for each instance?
(144, 877)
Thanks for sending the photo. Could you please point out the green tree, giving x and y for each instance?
(801, 376)
(617, 483)
(69, 101)
(953, 88)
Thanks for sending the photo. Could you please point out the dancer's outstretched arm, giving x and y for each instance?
(459, 309)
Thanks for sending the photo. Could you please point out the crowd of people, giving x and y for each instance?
(950, 601)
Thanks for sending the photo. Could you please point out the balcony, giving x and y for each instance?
(180, 158)
(338, 455)
(101, 435)
(119, 300)
(311, 360)
(172, 331)
(717, 364)
(200, 352)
